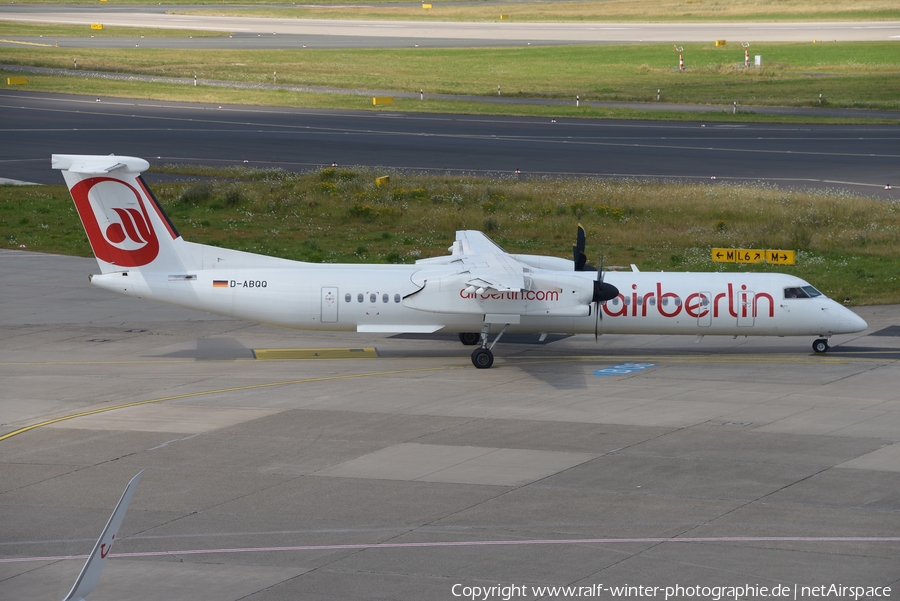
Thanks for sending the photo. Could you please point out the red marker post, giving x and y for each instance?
(680, 51)
(746, 46)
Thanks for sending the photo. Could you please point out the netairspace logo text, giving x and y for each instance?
(506, 592)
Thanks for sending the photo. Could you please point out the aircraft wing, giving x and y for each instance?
(90, 573)
(488, 265)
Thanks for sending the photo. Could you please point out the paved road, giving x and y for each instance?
(467, 34)
(859, 158)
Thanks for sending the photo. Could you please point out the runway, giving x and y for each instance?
(465, 33)
(401, 476)
(858, 158)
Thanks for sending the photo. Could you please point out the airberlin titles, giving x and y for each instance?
(736, 302)
(527, 295)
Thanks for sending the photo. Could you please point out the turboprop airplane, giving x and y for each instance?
(90, 573)
(477, 290)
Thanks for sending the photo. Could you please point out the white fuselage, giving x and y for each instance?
(391, 298)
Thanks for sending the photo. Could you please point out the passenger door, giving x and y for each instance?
(329, 305)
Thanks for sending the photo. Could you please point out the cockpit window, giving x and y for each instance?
(800, 292)
(812, 292)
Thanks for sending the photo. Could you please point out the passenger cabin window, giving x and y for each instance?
(347, 297)
(396, 298)
(372, 297)
(359, 297)
(384, 298)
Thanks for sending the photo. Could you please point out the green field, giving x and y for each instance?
(226, 96)
(852, 74)
(848, 246)
(49, 30)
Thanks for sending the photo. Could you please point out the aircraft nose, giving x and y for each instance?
(851, 322)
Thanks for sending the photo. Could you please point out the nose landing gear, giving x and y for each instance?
(820, 345)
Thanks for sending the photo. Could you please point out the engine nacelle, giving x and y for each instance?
(562, 295)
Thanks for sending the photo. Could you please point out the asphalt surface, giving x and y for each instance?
(467, 33)
(781, 467)
(859, 158)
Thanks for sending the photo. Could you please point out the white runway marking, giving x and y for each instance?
(487, 543)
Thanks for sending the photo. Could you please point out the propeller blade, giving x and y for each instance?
(578, 250)
(602, 293)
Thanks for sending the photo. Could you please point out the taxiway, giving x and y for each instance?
(400, 476)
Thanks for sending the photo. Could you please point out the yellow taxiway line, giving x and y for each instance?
(370, 352)
(26, 43)
(224, 390)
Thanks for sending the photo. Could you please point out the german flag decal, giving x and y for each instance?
(220, 283)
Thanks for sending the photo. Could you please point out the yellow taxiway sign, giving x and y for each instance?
(750, 255)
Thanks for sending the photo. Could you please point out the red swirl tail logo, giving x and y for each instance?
(119, 233)
(104, 550)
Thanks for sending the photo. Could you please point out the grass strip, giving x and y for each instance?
(848, 246)
(851, 74)
(49, 30)
(101, 88)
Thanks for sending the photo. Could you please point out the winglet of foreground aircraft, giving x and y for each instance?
(476, 290)
(90, 573)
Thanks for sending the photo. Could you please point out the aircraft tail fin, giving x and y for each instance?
(90, 573)
(124, 222)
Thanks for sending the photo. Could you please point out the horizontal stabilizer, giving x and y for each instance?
(98, 164)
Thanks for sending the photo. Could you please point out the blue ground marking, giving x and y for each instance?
(624, 368)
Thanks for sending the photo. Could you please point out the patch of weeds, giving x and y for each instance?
(327, 188)
(196, 194)
(233, 197)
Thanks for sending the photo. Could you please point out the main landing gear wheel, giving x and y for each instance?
(820, 345)
(482, 358)
(469, 338)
